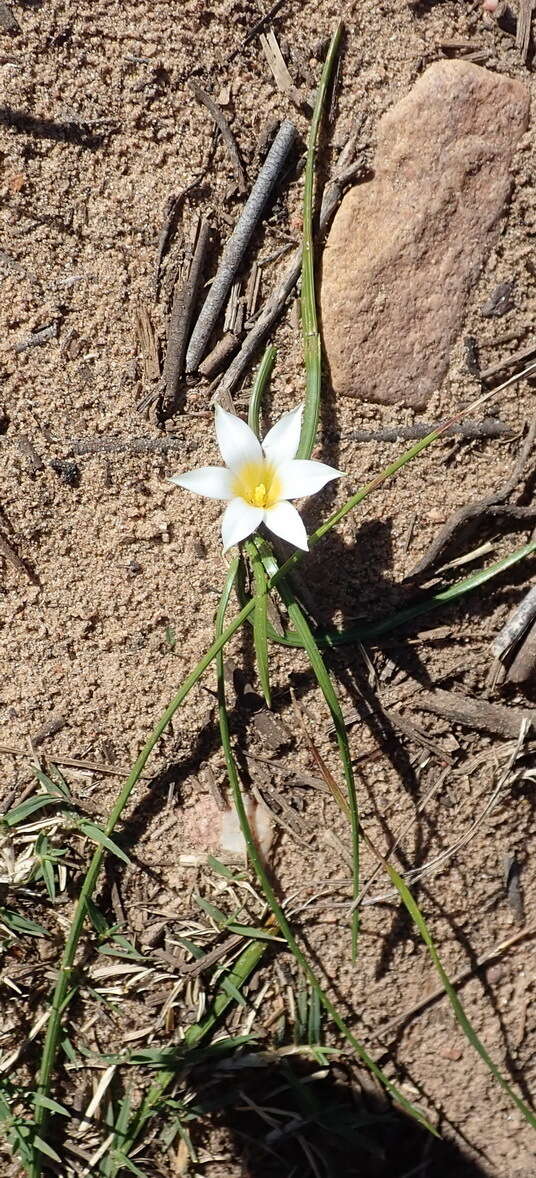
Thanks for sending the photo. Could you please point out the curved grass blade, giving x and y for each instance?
(461, 1018)
(371, 630)
(266, 886)
(312, 354)
(264, 373)
(323, 679)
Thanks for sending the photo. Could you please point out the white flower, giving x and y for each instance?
(258, 480)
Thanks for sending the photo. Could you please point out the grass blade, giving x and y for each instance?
(264, 373)
(461, 1018)
(266, 886)
(312, 353)
(260, 621)
(323, 679)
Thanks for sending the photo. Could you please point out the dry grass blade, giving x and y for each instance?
(225, 130)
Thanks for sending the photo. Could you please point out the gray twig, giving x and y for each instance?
(124, 445)
(226, 133)
(37, 338)
(476, 713)
(507, 361)
(184, 299)
(488, 428)
(516, 625)
(473, 511)
(524, 22)
(8, 21)
(239, 241)
(345, 172)
(171, 213)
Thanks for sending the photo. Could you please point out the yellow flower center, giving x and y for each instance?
(259, 495)
(258, 484)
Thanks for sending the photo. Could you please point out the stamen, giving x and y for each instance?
(259, 495)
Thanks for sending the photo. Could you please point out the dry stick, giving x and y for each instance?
(473, 510)
(522, 668)
(238, 242)
(258, 26)
(184, 299)
(273, 308)
(225, 130)
(7, 20)
(524, 21)
(38, 338)
(516, 625)
(463, 976)
(71, 762)
(172, 209)
(10, 555)
(488, 428)
(125, 445)
(475, 713)
(507, 361)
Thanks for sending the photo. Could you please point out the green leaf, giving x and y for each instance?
(48, 1102)
(229, 988)
(45, 1148)
(264, 373)
(30, 806)
(248, 930)
(216, 914)
(21, 925)
(97, 835)
(54, 787)
(97, 918)
(47, 872)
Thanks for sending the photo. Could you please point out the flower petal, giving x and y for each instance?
(285, 521)
(282, 440)
(302, 476)
(238, 521)
(212, 481)
(237, 442)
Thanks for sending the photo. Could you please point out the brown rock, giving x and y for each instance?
(406, 248)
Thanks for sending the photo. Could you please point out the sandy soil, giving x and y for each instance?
(99, 127)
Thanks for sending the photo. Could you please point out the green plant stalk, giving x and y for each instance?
(323, 679)
(312, 352)
(264, 880)
(264, 373)
(260, 620)
(66, 967)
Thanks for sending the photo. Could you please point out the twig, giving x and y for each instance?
(10, 555)
(124, 445)
(516, 625)
(463, 976)
(472, 511)
(488, 428)
(260, 24)
(345, 171)
(522, 668)
(507, 361)
(38, 338)
(184, 299)
(278, 67)
(172, 208)
(524, 22)
(147, 339)
(225, 130)
(8, 21)
(71, 762)
(476, 713)
(220, 353)
(239, 241)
